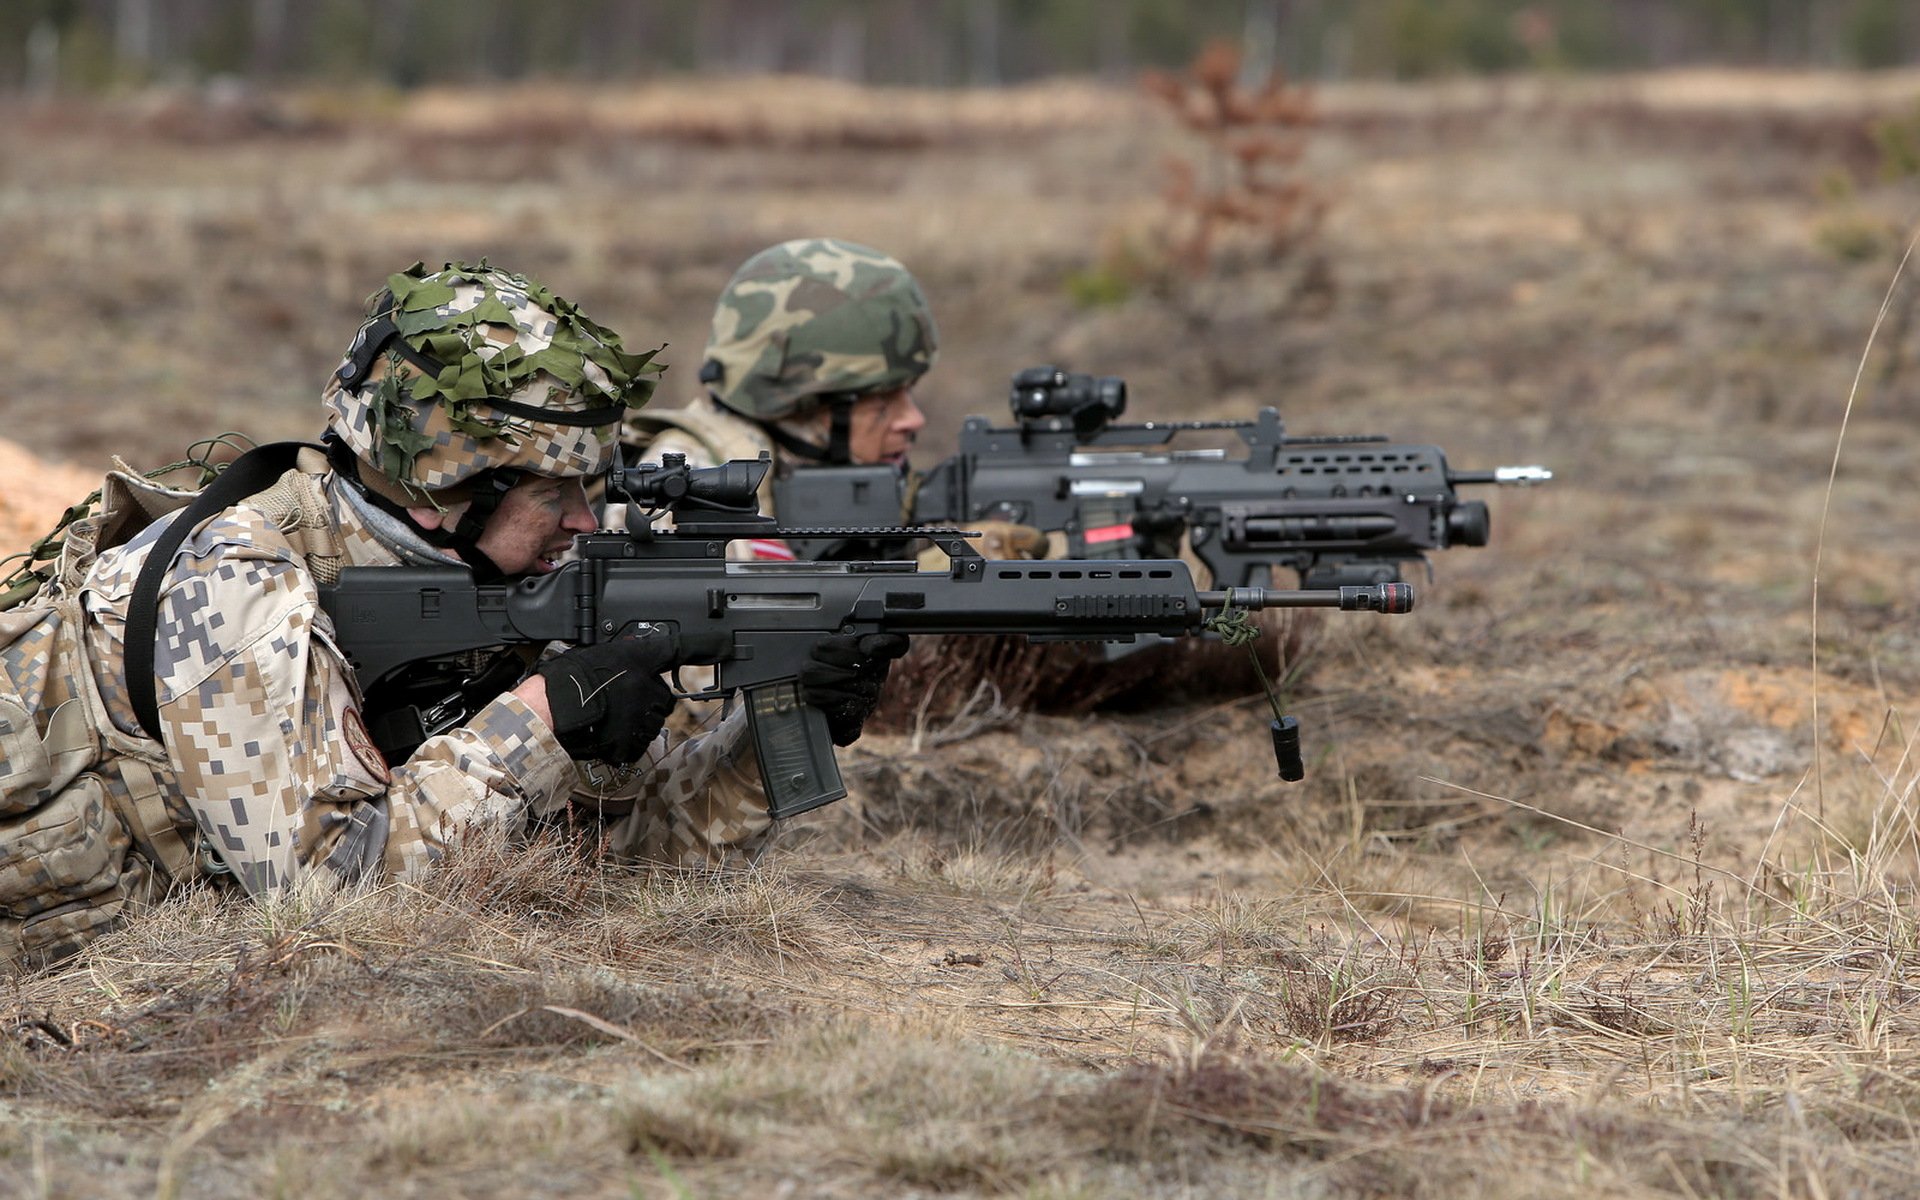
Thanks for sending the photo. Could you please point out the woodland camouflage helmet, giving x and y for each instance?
(473, 371)
(816, 318)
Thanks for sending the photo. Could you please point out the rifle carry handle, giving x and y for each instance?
(795, 748)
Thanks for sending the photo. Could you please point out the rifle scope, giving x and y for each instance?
(671, 482)
(1091, 401)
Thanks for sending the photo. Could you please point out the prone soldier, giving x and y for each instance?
(469, 410)
(815, 350)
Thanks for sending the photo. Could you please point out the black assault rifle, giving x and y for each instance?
(1338, 510)
(756, 622)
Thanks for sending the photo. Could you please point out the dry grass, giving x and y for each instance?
(1567, 905)
(967, 681)
(884, 1022)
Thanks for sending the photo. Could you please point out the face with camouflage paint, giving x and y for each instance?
(533, 528)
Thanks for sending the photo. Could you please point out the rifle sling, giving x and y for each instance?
(252, 472)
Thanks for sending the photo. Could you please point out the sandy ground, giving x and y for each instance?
(35, 493)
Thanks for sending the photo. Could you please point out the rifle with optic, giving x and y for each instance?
(1338, 510)
(755, 623)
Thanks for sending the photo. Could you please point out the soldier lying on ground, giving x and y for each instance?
(816, 347)
(470, 408)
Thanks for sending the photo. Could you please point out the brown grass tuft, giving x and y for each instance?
(953, 679)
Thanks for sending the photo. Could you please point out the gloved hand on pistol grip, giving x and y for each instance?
(608, 700)
(844, 677)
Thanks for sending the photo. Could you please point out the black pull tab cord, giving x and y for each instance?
(1235, 627)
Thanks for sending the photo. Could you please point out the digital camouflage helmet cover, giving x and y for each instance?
(473, 370)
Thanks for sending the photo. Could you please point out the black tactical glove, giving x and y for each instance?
(845, 676)
(608, 701)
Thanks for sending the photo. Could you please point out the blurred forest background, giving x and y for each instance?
(49, 46)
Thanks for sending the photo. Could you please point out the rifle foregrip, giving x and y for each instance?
(797, 766)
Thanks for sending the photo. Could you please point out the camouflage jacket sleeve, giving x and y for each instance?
(695, 800)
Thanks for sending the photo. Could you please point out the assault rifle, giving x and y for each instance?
(1339, 510)
(756, 622)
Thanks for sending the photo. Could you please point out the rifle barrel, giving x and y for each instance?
(1505, 476)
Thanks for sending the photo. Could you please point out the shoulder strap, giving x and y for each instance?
(252, 472)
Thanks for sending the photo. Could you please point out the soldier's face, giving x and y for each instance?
(884, 426)
(536, 524)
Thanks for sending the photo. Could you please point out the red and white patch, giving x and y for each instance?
(361, 742)
(771, 548)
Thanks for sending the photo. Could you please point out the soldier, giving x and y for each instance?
(470, 408)
(815, 349)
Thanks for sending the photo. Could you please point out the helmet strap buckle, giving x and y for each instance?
(374, 337)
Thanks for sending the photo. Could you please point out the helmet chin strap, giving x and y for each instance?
(489, 489)
(463, 540)
(838, 451)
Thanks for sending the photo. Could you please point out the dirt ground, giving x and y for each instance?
(1602, 879)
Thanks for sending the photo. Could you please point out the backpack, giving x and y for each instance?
(85, 831)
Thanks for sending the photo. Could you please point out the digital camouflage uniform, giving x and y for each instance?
(264, 770)
(268, 755)
(700, 802)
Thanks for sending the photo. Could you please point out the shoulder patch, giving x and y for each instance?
(361, 742)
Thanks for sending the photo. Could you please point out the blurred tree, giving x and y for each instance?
(133, 32)
(267, 38)
(1874, 33)
(96, 43)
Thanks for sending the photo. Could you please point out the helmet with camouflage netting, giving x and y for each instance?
(474, 373)
(816, 319)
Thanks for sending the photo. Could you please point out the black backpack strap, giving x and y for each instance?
(252, 472)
